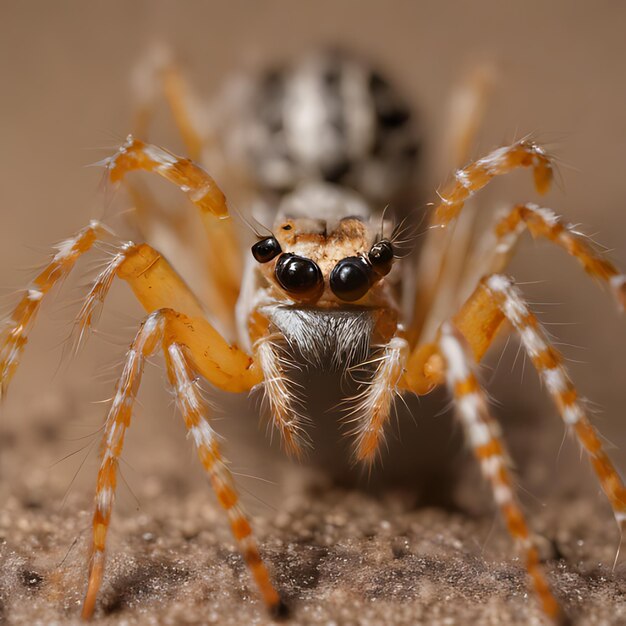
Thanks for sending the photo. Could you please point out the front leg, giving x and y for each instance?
(192, 346)
(163, 329)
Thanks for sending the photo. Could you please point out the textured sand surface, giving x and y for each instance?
(339, 555)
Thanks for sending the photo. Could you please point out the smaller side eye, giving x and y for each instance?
(351, 278)
(381, 257)
(266, 250)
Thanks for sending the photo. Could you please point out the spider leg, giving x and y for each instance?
(464, 120)
(549, 364)
(162, 329)
(14, 335)
(220, 265)
(479, 318)
(495, 300)
(483, 433)
(223, 253)
(189, 177)
(155, 284)
(157, 74)
(473, 177)
(543, 222)
(466, 114)
(466, 183)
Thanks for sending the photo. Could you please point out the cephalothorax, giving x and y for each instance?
(326, 143)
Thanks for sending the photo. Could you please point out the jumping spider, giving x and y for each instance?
(326, 142)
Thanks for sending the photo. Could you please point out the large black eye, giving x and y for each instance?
(266, 250)
(381, 257)
(299, 276)
(351, 278)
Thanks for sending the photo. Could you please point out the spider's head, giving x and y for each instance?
(326, 278)
(312, 261)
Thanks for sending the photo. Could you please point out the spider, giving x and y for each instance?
(326, 142)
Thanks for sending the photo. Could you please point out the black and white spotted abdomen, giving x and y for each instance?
(329, 117)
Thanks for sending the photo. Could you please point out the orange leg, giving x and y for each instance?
(162, 328)
(158, 74)
(467, 182)
(467, 112)
(190, 178)
(155, 284)
(472, 178)
(480, 317)
(14, 335)
(483, 433)
(495, 300)
(549, 364)
(155, 76)
(542, 222)
(191, 345)
(223, 254)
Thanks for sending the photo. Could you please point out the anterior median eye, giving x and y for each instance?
(299, 276)
(266, 250)
(351, 278)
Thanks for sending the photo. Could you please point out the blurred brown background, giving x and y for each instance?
(64, 90)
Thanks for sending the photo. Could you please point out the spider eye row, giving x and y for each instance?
(350, 279)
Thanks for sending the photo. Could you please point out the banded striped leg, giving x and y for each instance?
(117, 421)
(549, 364)
(189, 177)
(467, 182)
(483, 434)
(495, 300)
(160, 327)
(14, 335)
(543, 222)
(223, 249)
(475, 176)
(193, 408)
(155, 284)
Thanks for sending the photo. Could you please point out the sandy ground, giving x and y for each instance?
(370, 552)
(339, 558)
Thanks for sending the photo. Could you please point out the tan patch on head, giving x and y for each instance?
(310, 238)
